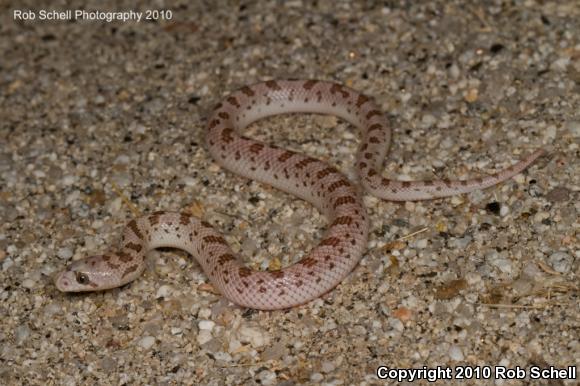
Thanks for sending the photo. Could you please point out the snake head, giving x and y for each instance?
(89, 274)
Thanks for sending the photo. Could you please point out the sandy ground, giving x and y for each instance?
(97, 113)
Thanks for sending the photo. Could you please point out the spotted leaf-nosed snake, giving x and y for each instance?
(343, 243)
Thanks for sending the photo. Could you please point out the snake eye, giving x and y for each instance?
(82, 278)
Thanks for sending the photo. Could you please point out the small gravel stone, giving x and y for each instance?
(560, 64)
(147, 342)
(504, 210)
(267, 377)
(28, 283)
(22, 333)
(122, 159)
(462, 242)
(550, 133)
(428, 121)
(52, 309)
(498, 261)
(328, 367)
(503, 265)
(558, 194)
(108, 364)
(68, 180)
(64, 253)
(99, 99)
(540, 216)
(457, 200)
(574, 127)
(316, 377)
(189, 181)
(206, 325)
(254, 336)
(203, 337)
(561, 262)
(455, 353)
(396, 324)
(7, 263)
(204, 313)
(164, 291)
(421, 244)
(222, 356)
(274, 352)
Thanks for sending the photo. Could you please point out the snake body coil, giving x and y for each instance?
(343, 243)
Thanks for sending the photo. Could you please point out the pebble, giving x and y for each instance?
(189, 181)
(421, 244)
(504, 210)
(550, 133)
(531, 270)
(274, 352)
(203, 337)
(574, 127)
(538, 217)
(21, 334)
(254, 336)
(472, 95)
(204, 313)
(68, 180)
(52, 309)
(454, 71)
(455, 353)
(206, 325)
(164, 291)
(316, 377)
(147, 342)
(447, 143)
(457, 200)
(561, 262)
(108, 364)
(359, 330)
(115, 205)
(28, 283)
(558, 194)
(7, 263)
(428, 121)
(64, 253)
(560, 64)
(461, 242)
(396, 324)
(267, 377)
(99, 99)
(503, 265)
(122, 179)
(122, 159)
(522, 285)
(233, 344)
(222, 356)
(328, 367)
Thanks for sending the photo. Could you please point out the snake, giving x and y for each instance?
(343, 242)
